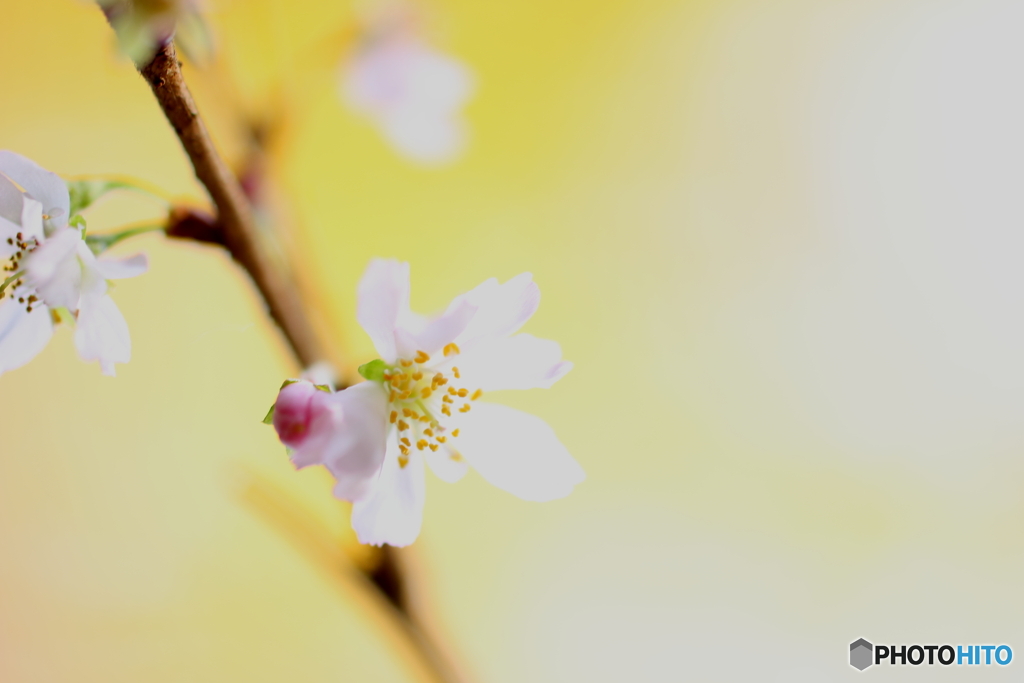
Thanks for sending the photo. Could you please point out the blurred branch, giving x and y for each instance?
(300, 528)
(234, 228)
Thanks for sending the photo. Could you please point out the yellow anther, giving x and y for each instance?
(405, 451)
(394, 416)
(446, 411)
(441, 379)
(453, 391)
(421, 444)
(422, 357)
(428, 431)
(432, 446)
(402, 425)
(424, 418)
(393, 396)
(455, 432)
(455, 371)
(405, 363)
(451, 350)
(426, 392)
(464, 408)
(403, 460)
(442, 439)
(447, 399)
(476, 394)
(405, 441)
(417, 376)
(408, 413)
(463, 393)
(406, 394)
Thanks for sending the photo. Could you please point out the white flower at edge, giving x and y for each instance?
(59, 271)
(411, 91)
(142, 26)
(377, 437)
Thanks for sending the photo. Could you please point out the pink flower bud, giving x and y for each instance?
(298, 407)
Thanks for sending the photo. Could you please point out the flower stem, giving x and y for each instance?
(284, 300)
(100, 243)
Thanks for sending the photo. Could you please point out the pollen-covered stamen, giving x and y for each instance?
(421, 397)
(10, 286)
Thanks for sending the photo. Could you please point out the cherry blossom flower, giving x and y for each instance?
(420, 406)
(51, 269)
(142, 26)
(411, 91)
(311, 421)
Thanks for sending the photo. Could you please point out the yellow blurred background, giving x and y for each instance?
(781, 241)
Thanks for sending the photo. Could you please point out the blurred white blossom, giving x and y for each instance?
(51, 269)
(142, 26)
(412, 92)
(421, 405)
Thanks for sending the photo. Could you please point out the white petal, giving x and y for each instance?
(11, 200)
(356, 451)
(435, 83)
(447, 464)
(93, 283)
(40, 184)
(31, 219)
(444, 329)
(430, 139)
(517, 452)
(54, 270)
(393, 513)
(503, 309)
(398, 73)
(519, 362)
(22, 335)
(322, 372)
(119, 269)
(383, 296)
(102, 333)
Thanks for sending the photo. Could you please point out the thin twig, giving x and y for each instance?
(238, 234)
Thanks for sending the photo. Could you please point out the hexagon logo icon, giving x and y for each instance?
(860, 654)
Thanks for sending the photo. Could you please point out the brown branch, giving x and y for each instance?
(234, 228)
(234, 215)
(192, 224)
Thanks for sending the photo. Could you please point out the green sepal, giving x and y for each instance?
(84, 193)
(77, 221)
(269, 419)
(374, 370)
(287, 382)
(324, 388)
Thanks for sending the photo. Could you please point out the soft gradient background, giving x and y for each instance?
(782, 241)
